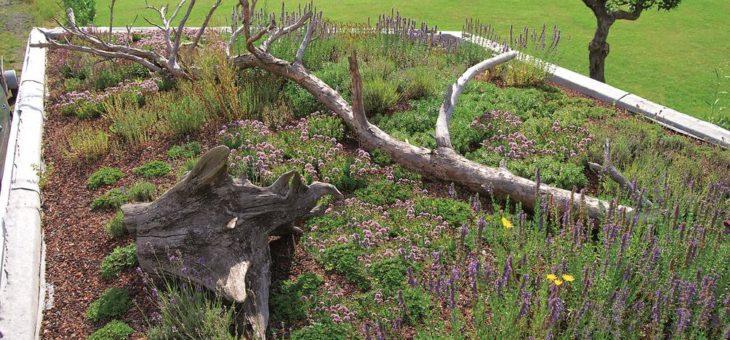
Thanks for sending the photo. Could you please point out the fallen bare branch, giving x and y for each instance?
(441, 163)
(615, 175)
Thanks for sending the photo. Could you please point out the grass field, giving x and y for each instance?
(666, 57)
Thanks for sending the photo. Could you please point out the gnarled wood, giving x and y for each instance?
(167, 64)
(443, 162)
(214, 230)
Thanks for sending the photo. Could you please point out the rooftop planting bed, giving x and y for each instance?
(403, 256)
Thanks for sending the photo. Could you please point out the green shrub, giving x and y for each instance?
(142, 192)
(318, 331)
(383, 192)
(153, 169)
(85, 109)
(121, 258)
(562, 174)
(112, 304)
(400, 172)
(84, 10)
(301, 102)
(70, 71)
(114, 330)
(379, 96)
(328, 126)
(184, 116)
(470, 54)
(286, 301)
(106, 78)
(417, 304)
(188, 312)
(339, 172)
(72, 85)
(111, 199)
(379, 157)
(185, 151)
(453, 211)
(343, 258)
(417, 82)
(104, 176)
(133, 123)
(87, 144)
(115, 227)
(389, 274)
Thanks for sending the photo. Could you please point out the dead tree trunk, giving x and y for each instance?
(443, 162)
(214, 230)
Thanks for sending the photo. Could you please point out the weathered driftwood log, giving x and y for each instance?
(214, 230)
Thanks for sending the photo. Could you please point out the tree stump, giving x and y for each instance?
(214, 230)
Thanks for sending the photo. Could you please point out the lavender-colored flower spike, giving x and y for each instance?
(555, 308)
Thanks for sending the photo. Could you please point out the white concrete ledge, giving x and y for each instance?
(663, 115)
(22, 262)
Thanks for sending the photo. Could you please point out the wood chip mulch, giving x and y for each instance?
(76, 242)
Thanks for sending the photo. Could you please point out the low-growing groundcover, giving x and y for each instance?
(402, 256)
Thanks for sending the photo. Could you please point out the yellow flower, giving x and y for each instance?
(552, 277)
(558, 282)
(507, 224)
(568, 278)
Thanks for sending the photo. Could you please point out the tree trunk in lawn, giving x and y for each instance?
(214, 230)
(599, 48)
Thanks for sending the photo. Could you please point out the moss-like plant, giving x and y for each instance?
(111, 199)
(115, 227)
(153, 169)
(343, 258)
(113, 330)
(104, 176)
(286, 301)
(112, 304)
(121, 258)
(142, 192)
(384, 192)
(184, 151)
(329, 330)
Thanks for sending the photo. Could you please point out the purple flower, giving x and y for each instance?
(707, 300)
(655, 312)
(525, 306)
(411, 279)
(555, 307)
(507, 270)
(684, 317)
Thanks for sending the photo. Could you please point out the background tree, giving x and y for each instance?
(607, 12)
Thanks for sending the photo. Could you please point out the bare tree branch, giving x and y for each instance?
(205, 24)
(111, 18)
(305, 41)
(102, 53)
(286, 30)
(180, 28)
(615, 175)
(454, 91)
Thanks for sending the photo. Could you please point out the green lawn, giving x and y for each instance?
(669, 58)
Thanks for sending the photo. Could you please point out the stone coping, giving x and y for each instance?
(22, 266)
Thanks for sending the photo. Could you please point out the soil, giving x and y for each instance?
(75, 239)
